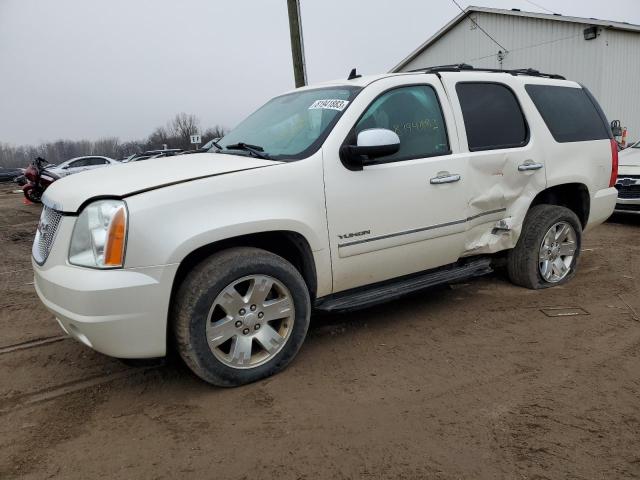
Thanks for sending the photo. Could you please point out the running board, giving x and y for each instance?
(391, 289)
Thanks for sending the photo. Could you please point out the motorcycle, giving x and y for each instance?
(38, 179)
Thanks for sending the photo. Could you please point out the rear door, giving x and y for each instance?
(506, 169)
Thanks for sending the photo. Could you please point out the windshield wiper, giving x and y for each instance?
(256, 150)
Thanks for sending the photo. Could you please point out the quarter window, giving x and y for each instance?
(568, 112)
(414, 113)
(492, 116)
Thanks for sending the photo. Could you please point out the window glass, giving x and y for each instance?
(294, 125)
(568, 112)
(78, 163)
(415, 115)
(492, 116)
(96, 161)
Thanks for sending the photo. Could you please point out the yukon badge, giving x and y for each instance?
(354, 234)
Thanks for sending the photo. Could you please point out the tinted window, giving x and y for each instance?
(568, 112)
(96, 161)
(78, 163)
(492, 116)
(415, 115)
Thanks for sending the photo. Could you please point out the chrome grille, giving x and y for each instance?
(46, 234)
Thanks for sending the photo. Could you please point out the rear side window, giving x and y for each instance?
(568, 112)
(492, 116)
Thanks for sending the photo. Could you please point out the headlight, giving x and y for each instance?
(100, 235)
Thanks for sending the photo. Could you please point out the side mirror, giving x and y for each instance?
(370, 144)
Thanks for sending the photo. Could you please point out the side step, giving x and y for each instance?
(391, 289)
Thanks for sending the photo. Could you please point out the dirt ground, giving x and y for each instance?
(471, 381)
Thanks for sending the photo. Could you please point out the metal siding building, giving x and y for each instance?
(608, 65)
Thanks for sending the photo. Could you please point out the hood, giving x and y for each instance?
(629, 157)
(122, 180)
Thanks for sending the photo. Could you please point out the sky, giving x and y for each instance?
(87, 69)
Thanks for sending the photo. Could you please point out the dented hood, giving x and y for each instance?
(70, 193)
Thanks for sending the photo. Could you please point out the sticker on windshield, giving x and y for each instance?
(330, 104)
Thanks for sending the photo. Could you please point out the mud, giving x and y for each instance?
(469, 381)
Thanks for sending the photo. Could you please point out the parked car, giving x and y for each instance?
(81, 164)
(9, 174)
(21, 180)
(153, 154)
(331, 197)
(628, 183)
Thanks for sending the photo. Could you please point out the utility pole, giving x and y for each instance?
(297, 44)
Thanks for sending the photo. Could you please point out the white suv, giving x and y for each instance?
(333, 197)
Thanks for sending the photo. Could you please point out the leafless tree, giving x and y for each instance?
(176, 134)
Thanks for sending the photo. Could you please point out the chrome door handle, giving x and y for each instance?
(448, 178)
(527, 166)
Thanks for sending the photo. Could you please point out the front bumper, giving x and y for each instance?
(121, 313)
(628, 205)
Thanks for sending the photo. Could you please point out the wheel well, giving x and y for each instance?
(291, 246)
(574, 196)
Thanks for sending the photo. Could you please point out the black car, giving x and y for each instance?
(8, 174)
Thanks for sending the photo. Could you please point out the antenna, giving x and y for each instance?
(353, 74)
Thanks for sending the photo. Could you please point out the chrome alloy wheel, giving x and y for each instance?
(557, 250)
(250, 321)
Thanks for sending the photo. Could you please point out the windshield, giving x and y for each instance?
(291, 126)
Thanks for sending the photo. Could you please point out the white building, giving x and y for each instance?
(602, 55)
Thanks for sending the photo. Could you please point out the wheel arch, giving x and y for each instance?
(290, 245)
(574, 196)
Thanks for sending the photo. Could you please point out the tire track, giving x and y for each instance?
(32, 344)
(19, 402)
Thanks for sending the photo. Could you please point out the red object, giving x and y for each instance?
(614, 163)
(624, 137)
(39, 178)
(26, 201)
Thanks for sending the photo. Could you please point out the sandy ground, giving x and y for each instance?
(472, 381)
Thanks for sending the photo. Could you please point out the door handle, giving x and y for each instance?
(528, 166)
(446, 178)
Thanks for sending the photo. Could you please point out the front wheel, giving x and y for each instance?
(548, 248)
(240, 315)
(32, 193)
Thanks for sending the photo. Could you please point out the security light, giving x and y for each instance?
(590, 33)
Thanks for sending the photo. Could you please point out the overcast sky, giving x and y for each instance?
(95, 68)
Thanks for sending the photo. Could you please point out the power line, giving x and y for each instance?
(526, 47)
(476, 24)
(539, 6)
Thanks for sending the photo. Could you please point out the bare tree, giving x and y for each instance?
(176, 134)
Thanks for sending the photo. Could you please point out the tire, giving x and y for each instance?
(33, 194)
(206, 310)
(526, 262)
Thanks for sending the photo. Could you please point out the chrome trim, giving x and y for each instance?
(422, 229)
(448, 178)
(525, 167)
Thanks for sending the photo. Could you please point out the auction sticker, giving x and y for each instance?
(330, 104)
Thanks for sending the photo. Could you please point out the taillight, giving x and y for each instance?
(614, 163)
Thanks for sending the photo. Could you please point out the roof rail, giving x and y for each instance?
(465, 67)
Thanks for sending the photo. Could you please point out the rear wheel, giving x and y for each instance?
(548, 248)
(240, 315)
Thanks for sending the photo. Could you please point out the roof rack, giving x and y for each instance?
(465, 67)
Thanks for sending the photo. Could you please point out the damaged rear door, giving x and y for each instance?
(505, 166)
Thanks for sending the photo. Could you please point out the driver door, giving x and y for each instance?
(405, 212)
